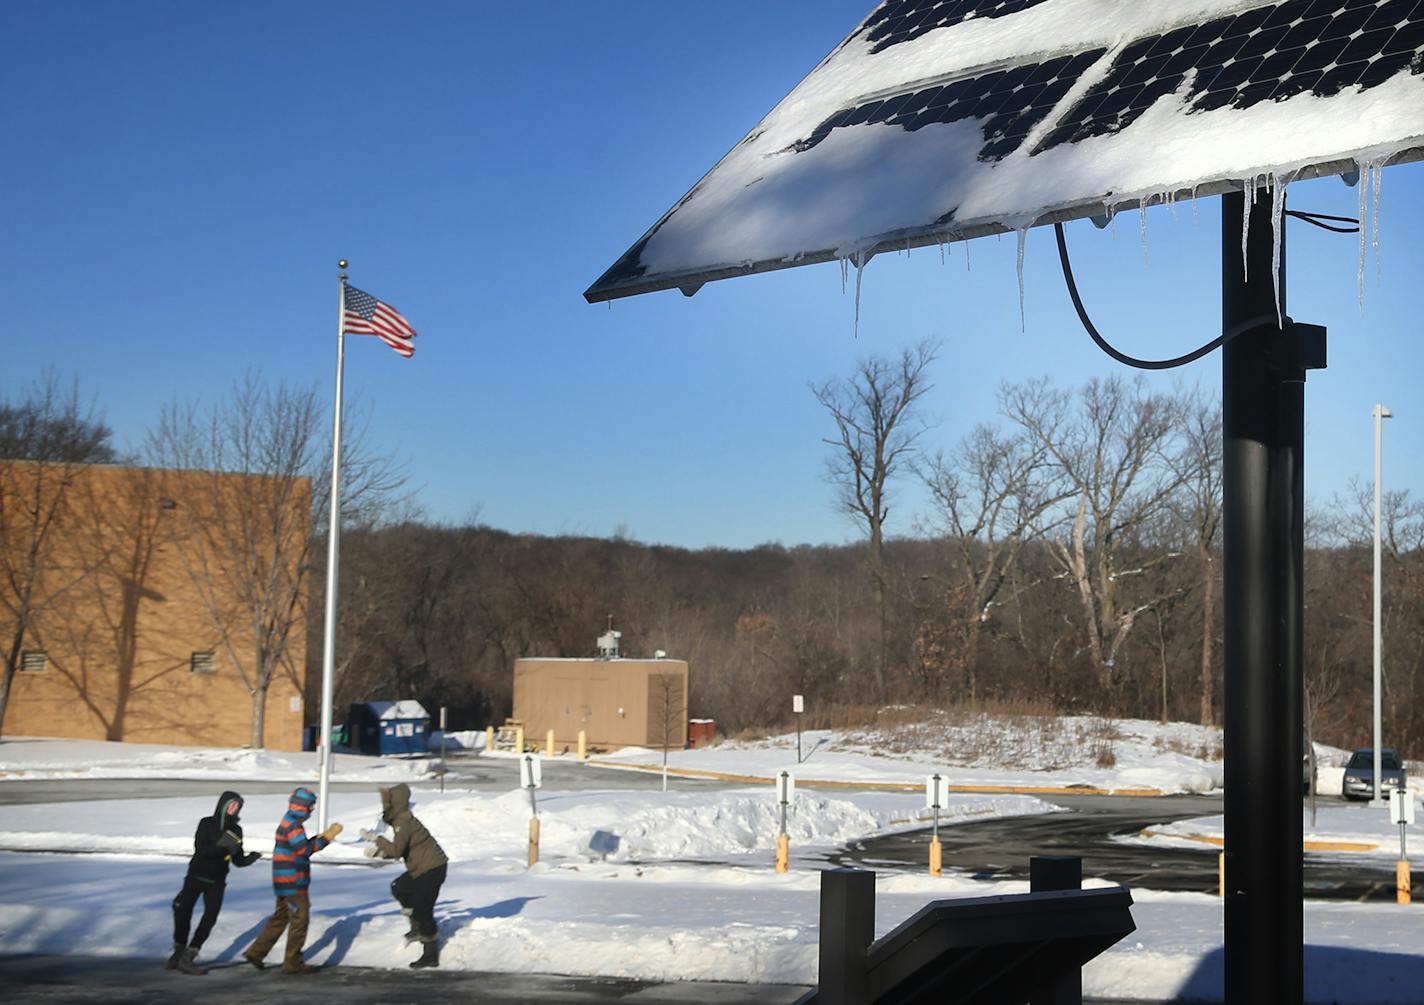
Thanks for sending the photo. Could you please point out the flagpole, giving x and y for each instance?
(333, 548)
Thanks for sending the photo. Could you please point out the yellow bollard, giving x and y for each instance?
(1221, 874)
(783, 852)
(533, 840)
(1401, 881)
(489, 739)
(519, 740)
(583, 746)
(935, 857)
(549, 744)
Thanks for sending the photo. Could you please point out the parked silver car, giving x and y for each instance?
(1359, 782)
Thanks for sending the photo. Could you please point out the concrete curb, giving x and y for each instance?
(832, 783)
(1308, 845)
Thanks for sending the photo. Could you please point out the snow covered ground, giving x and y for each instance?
(685, 889)
(40, 758)
(1348, 829)
(978, 751)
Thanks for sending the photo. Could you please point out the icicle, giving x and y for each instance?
(1196, 204)
(1375, 221)
(1361, 186)
(1248, 186)
(1023, 239)
(845, 274)
(1278, 207)
(859, 272)
(966, 257)
(1142, 228)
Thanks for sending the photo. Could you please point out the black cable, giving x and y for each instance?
(1314, 220)
(1260, 320)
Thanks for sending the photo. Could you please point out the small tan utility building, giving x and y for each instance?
(616, 702)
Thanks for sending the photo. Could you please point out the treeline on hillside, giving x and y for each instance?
(1071, 562)
(441, 613)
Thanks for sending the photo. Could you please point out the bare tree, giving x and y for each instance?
(993, 495)
(878, 421)
(46, 439)
(1198, 509)
(249, 540)
(1110, 441)
(667, 714)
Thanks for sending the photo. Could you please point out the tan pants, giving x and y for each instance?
(292, 915)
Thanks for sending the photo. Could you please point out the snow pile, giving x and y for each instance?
(975, 751)
(36, 758)
(493, 829)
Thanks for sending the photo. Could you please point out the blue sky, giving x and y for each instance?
(178, 180)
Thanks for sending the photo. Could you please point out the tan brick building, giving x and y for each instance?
(145, 623)
(615, 702)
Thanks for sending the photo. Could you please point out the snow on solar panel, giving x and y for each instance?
(943, 120)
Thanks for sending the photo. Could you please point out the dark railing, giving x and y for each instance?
(1022, 948)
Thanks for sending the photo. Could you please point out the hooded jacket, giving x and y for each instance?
(411, 841)
(218, 841)
(292, 849)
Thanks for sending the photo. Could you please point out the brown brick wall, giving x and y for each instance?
(123, 620)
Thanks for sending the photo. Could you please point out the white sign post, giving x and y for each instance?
(798, 705)
(935, 793)
(442, 747)
(1401, 811)
(785, 792)
(531, 777)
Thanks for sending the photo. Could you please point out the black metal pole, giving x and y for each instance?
(1263, 398)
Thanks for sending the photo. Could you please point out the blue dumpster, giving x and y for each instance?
(389, 727)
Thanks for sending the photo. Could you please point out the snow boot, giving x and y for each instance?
(412, 934)
(188, 962)
(429, 958)
(299, 968)
(254, 959)
(172, 962)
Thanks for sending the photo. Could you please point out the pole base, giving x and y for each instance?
(1402, 882)
(936, 857)
(783, 852)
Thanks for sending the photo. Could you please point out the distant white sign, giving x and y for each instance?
(936, 790)
(405, 729)
(531, 772)
(785, 786)
(1401, 807)
(295, 703)
(798, 703)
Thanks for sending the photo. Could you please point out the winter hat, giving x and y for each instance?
(302, 800)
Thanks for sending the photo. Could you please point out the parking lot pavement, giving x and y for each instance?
(79, 979)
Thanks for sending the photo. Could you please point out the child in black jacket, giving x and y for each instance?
(217, 841)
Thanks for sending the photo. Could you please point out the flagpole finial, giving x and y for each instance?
(342, 266)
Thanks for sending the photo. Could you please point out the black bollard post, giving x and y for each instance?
(847, 930)
(1057, 872)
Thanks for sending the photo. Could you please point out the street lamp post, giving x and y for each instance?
(1381, 413)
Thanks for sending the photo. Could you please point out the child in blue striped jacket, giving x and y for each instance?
(291, 879)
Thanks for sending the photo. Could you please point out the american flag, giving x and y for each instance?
(363, 314)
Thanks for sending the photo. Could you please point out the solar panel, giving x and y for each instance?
(943, 120)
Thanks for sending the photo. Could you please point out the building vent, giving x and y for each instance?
(202, 663)
(608, 645)
(34, 662)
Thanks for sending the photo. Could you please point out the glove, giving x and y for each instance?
(371, 851)
(229, 842)
(368, 835)
(249, 858)
(331, 832)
